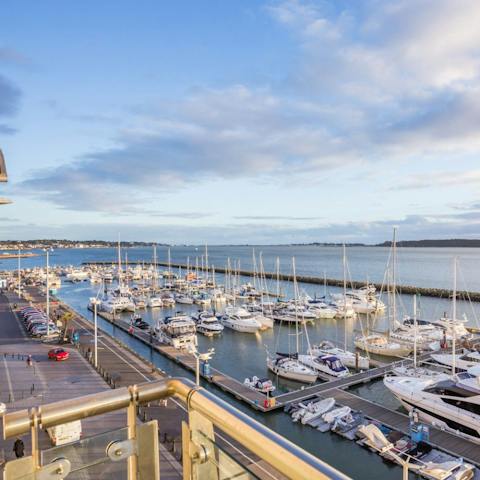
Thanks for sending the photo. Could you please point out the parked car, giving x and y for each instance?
(58, 354)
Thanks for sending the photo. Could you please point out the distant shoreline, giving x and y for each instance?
(61, 244)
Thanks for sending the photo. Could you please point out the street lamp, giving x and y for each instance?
(19, 278)
(204, 357)
(48, 250)
(95, 302)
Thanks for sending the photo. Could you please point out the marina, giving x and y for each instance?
(284, 394)
(405, 289)
(336, 388)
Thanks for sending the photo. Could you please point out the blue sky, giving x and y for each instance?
(235, 122)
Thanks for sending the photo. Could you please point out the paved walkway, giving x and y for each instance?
(53, 381)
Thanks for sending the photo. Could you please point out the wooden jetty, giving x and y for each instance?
(448, 442)
(405, 289)
(220, 379)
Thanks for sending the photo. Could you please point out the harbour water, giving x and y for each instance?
(423, 267)
(241, 355)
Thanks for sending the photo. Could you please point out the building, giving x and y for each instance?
(3, 176)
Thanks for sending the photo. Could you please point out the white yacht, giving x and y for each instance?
(288, 366)
(77, 275)
(208, 324)
(178, 331)
(323, 311)
(452, 404)
(381, 345)
(262, 385)
(328, 364)
(364, 300)
(203, 299)
(349, 359)
(111, 304)
(183, 299)
(464, 361)
(218, 296)
(155, 302)
(239, 319)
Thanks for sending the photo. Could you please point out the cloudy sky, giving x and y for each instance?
(235, 122)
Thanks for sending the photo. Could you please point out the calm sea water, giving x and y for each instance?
(424, 267)
(242, 355)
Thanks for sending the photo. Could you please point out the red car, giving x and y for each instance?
(58, 354)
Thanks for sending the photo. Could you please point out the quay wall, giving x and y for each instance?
(405, 289)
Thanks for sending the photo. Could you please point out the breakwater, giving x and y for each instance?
(402, 289)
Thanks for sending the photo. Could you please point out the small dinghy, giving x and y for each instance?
(317, 409)
(263, 385)
(330, 417)
(336, 414)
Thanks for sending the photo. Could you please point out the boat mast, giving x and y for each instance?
(169, 265)
(206, 263)
(119, 264)
(345, 297)
(415, 331)
(155, 283)
(278, 277)
(394, 280)
(454, 315)
(296, 306)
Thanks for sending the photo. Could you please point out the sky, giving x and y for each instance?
(212, 121)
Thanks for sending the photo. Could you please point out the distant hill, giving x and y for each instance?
(451, 242)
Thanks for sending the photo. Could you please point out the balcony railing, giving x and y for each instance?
(133, 452)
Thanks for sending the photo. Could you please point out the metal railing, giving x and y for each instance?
(206, 411)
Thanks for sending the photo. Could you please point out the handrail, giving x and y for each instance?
(289, 459)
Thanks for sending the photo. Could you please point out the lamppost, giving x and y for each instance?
(204, 357)
(48, 250)
(95, 302)
(19, 281)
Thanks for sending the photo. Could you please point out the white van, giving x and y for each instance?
(65, 433)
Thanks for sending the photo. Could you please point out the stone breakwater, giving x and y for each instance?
(402, 289)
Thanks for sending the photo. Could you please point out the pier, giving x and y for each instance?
(402, 289)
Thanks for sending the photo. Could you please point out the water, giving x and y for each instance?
(242, 355)
(423, 267)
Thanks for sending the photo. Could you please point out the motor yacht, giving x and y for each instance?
(262, 385)
(329, 364)
(349, 359)
(463, 361)
(239, 319)
(323, 311)
(203, 300)
(452, 404)
(155, 302)
(208, 324)
(178, 331)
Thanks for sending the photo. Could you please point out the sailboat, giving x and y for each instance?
(380, 344)
(349, 359)
(287, 365)
(155, 301)
(452, 404)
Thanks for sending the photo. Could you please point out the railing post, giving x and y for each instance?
(132, 432)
